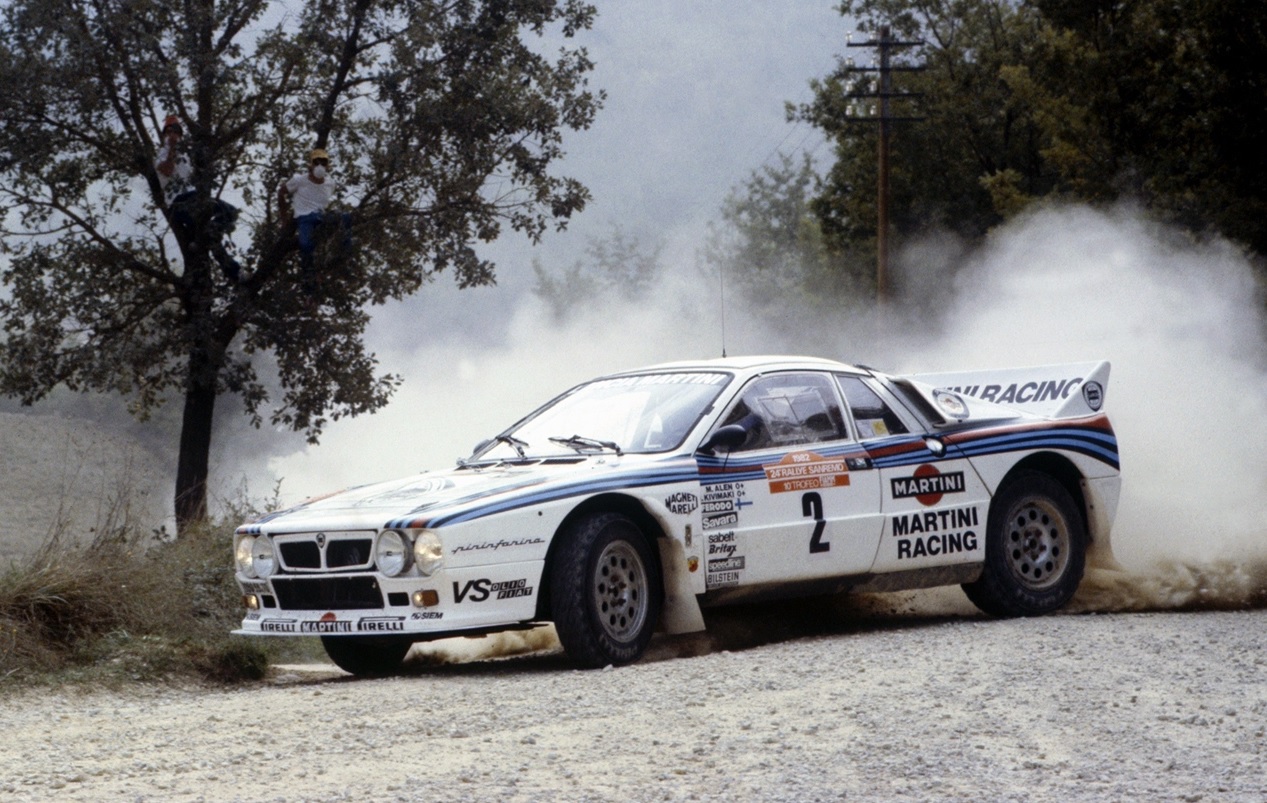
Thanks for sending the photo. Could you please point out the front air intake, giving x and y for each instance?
(328, 593)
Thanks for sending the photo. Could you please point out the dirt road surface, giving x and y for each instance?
(807, 706)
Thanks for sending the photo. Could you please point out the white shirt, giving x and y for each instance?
(307, 196)
(182, 174)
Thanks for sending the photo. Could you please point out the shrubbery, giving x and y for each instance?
(129, 605)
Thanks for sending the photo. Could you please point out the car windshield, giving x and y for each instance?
(638, 414)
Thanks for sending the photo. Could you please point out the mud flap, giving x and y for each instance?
(681, 611)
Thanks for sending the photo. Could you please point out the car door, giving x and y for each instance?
(934, 503)
(796, 499)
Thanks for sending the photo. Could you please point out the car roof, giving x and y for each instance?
(750, 363)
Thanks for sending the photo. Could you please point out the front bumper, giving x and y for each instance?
(368, 603)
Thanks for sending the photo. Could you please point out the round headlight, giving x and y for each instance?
(242, 555)
(428, 552)
(391, 553)
(263, 557)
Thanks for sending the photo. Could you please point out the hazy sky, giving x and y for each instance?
(696, 95)
(695, 103)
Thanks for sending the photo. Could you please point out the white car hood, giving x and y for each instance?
(421, 496)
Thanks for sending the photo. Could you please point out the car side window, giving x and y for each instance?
(787, 409)
(873, 417)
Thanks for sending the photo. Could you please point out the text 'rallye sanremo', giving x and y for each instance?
(628, 503)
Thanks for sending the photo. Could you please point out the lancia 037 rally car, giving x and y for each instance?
(631, 502)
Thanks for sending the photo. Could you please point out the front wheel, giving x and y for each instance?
(1035, 551)
(367, 656)
(605, 591)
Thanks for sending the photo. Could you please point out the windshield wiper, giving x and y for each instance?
(581, 443)
(515, 443)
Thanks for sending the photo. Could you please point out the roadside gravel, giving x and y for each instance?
(852, 704)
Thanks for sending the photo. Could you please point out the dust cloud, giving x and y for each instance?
(497, 645)
(1180, 320)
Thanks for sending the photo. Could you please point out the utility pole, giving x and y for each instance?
(885, 44)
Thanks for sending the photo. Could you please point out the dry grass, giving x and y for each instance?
(127, 604)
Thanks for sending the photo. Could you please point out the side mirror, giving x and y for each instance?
(729, 438)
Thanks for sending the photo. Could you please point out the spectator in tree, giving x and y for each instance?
(311, 193)
(175, 176)
(175, 173)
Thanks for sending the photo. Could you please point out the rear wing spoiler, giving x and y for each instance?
(1068, 390)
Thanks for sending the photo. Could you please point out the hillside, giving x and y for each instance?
(60, 469)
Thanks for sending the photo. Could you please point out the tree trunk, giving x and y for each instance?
(195, 443)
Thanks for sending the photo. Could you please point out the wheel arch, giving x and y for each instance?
(623, 504)
(1063, 471)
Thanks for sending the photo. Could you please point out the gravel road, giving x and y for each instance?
(794, 703)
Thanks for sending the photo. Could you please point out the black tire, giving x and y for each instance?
(367, 656)
(605, 591)
(1035, 549)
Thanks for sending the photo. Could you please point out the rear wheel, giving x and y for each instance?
(605, 591)
(367, 656)
(1035, 550)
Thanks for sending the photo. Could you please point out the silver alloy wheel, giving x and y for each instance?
(1037, 542)
(621, 595)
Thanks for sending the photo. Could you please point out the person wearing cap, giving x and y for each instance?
(310, 193)
(175, 177)
(175, 173)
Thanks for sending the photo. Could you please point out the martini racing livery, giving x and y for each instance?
(631, 502)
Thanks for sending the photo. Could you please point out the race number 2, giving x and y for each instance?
(812, 505)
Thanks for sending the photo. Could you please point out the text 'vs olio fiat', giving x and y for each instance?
(631, 502)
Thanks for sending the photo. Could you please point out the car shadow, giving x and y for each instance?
(737, 628)
(732, 628)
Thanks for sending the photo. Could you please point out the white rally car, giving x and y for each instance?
(630, 502)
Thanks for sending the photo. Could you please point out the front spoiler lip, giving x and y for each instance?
(428, 635)
(362, 622)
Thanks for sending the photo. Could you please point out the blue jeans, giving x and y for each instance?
(310, 227)
(220, 217)
(309, 223)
